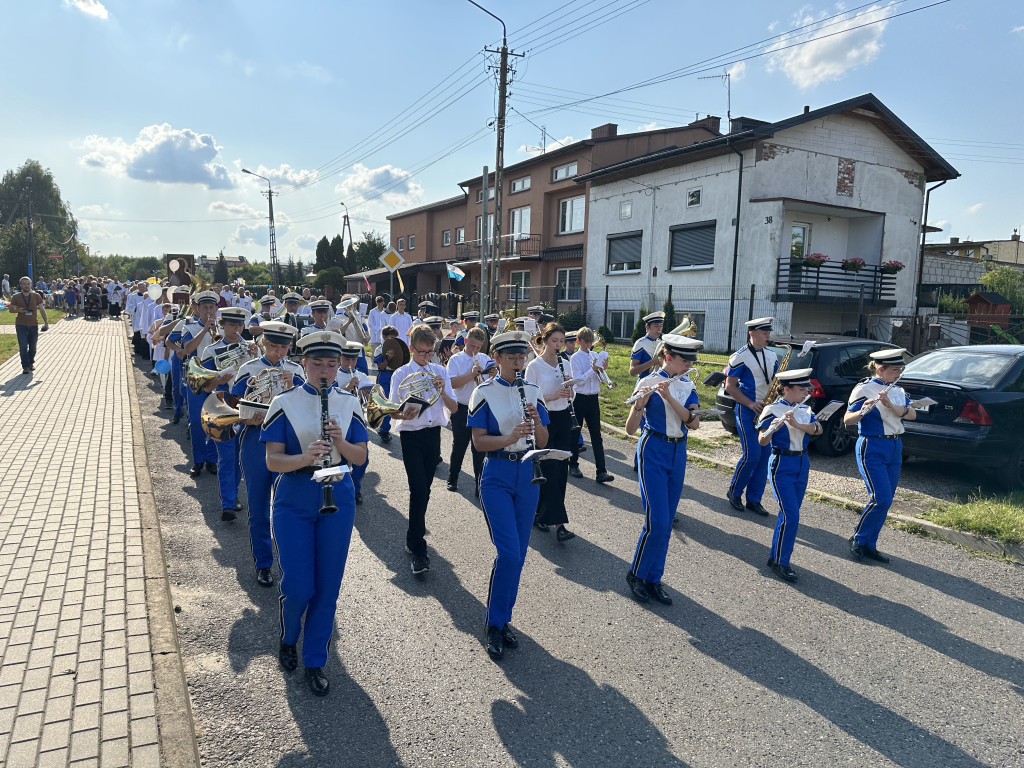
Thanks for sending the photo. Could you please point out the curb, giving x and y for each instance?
(1013, 552)
(175, 725)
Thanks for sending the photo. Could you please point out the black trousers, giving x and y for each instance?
(421, 453)
(551, 505)
(588, 412)
(140, 345)
(462, 438)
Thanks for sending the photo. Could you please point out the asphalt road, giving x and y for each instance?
(920, 663)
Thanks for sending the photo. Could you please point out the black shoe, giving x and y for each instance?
(238, 506)
(638, 587)
(735, 502)
(605, 477)
(176, 419)
(574, 471)
(874, 554)
(563, 535)
(453, 485)
(582, 450)
(227, 514)
(318, 682)
(857, 551)
(265, 577)
(211, 467)
(539, 525)
(385, 437)
(288, 656)
(508, 637)
(675, 521)
(655, 590)
(757, 509)
(167, 406)
(784, 572)
(196, 471)
(420, 564)
(359, 497)
(495, 643)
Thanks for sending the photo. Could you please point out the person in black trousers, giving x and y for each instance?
(586, 369)
(465, 370)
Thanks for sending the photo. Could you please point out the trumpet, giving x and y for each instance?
(602, 374)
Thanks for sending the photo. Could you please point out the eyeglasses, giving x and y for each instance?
(429, 351)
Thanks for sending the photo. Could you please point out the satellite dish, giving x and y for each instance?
(154, 291)
(174, 265)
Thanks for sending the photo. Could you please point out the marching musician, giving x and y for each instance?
(162, 351)
(178, 387)
(587, 404)
(547, 374)
(353, 330)
(277, 340)
(232, 320)
(643, 356)
(312, 545)
(878, 407)
(469, 322)
(748, 379)
(466, 371)
(666, 412)
(531, 323)
(420, 433)
(354, 381)
(376, 320)
(320, 310)
(385, 368)
(435, 323)
(566, 354)
(290, 312)
(503, 418)
(266, 314)
(196, 335)
(789, 466)
(491, 323)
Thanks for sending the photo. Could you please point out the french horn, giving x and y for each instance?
(415, 389)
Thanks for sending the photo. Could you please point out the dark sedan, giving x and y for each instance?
(978, 416)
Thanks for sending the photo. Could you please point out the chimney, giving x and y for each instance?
(954, 241)
(806, 109)
(606, 131)
(1015, 237)
(709, 123)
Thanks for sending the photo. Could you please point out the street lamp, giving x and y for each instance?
(274, 276)
(28, 224)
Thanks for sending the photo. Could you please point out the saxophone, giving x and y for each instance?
(775, 389)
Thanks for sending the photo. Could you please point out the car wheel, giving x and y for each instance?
(835, 439)
(1012, 473)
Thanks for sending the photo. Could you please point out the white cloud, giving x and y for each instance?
(552, 144)
(773, 26)
(89, 7)
(974, 208)
(90, 210)
(231, 60)
(258, 233)
(651, 126)
(387, 183)
(1017, 29)
(283, 174)
(161, 154)
(96, 235)
(233, 209)
(824, 55)
(305, 242)
(737, 71)
(313, 72)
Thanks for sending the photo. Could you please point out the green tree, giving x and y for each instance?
(1008, 281)
(367, 252)
(337, 258)
(333, 276)
(254, 273)
(323, 254)
(670, 316)
(53, 226)
(640, 329)
(220, 270)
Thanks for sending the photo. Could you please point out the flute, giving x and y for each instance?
(531, 442)
(640, 393)
(776, 425)
(870, 404)
(327, 505)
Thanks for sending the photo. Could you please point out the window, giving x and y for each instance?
(800, 240)
(626, 209)
(480, 194)
(446, 237)
(624, 252)
(520, 222)
(519, 285)
(569, 283)
(490, 227)
(519, 185)
(401, 243)
(852, 361)
(460, 234)
(693, 245)
(621, 322)
(412, 242)
(571, 214)
(566, 171)
(693, 197)
(970, 253)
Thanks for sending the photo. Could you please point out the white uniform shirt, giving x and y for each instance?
(377, 320)
(141, 316)
(892, 423)
(344, 377)
(549, 379)
(581, 366)
(191, 330)
(402, 321)
(802, 414)
(506, 405)
(460, 364)
(434, 416)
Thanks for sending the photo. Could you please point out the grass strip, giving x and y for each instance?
(8, 346)
(999, 517)
(53, 315)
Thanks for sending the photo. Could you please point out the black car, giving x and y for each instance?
(978, 416)
(838, 364)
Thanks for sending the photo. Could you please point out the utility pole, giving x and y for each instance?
(274, 269)
(485, 282)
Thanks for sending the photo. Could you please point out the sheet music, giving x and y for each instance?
(332, 474)
(547, 454)
(829, 410)
(924, 402)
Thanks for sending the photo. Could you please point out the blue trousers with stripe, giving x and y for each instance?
(312, 549)
(384, 380)
(228, 472)
(177, 385)
(258, 482)
(661, 467)
(204, 450)
(509, 500)
(788, 478)
(879, 461)
(751, 472)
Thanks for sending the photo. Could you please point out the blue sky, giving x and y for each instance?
(147, 110)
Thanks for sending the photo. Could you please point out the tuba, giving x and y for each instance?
(217, 418)
(415, 389)
(686, 328)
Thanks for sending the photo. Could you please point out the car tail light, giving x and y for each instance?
(973, 412)
(816, 390)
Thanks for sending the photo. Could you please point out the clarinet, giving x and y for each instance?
(327, 505)
(572, 411)
(531, 442)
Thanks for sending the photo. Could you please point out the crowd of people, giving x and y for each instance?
(283, 396)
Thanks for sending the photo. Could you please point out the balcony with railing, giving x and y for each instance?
(797, 281)
(514, 245)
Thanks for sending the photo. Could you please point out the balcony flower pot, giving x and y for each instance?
(815, 260)
(892, 267)
(852, 265)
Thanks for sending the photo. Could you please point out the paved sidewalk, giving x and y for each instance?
(76, 664)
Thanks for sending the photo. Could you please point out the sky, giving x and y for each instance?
(146, 111)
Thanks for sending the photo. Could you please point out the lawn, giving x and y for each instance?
(8, 346)
(53, 315)
(613, 408)
(999, 517)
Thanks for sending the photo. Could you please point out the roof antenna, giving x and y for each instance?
(727, 77)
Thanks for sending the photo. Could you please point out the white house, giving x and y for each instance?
(846, 181)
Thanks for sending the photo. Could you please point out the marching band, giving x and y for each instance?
(517, 399)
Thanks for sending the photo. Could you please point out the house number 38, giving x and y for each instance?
(767, 219)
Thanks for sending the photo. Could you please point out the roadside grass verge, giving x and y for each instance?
(8, 346)
(999, 517)
(53, 315)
